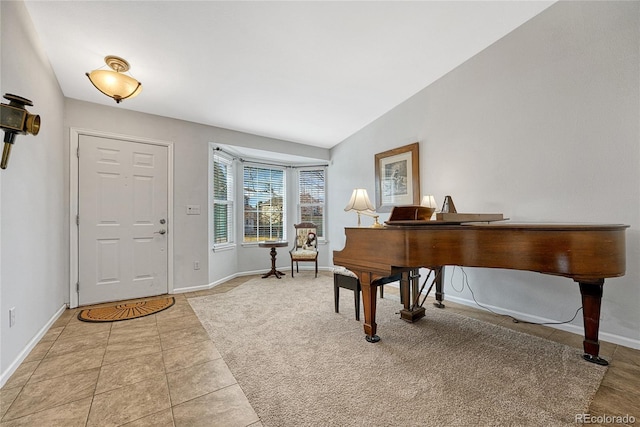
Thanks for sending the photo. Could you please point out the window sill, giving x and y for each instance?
(250, 244)
(224, 247)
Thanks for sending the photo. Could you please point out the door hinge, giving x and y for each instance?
(78, 287)
(77, 219)
(78, 152)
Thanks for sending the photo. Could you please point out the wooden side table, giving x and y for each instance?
(273, 245)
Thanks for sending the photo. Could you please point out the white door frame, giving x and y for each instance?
(74, 138)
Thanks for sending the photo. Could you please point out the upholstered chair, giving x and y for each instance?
(305, 245)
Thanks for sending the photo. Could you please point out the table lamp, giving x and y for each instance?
(360, 203)
(430, 202)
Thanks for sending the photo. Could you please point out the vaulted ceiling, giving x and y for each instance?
(309, 72)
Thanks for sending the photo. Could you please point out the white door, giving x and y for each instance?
(122, 208)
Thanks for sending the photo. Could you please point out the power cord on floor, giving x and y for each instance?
(465, 282)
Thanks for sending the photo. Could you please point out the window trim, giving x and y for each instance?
(285, 201)
(231, 233)
(299, 169)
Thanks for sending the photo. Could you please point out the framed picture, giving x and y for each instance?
(397, 177)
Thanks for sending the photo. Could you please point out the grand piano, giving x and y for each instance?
(585, 253)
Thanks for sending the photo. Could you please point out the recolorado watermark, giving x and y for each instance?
(605, 419)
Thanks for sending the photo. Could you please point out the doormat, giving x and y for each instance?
(132, 310)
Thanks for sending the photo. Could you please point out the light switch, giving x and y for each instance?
(193, 209)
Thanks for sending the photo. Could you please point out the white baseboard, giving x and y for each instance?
(30, 345)
(240, 274)
(567, 327)
(216, 283)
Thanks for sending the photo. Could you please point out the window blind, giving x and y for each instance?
(223, 197)
(264, 203)
(311, 190)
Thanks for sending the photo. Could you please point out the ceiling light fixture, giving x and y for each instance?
(114, 83)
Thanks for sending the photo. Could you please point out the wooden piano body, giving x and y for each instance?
(585, 253)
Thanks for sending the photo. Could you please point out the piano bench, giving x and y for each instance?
(347, 279)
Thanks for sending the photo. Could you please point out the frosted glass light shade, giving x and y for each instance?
(114, 83)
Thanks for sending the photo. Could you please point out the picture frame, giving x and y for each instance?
(397, 177)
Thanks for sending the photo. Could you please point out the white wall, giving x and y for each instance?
(34, 191)
(541, 126)
(191, 156)
(34, 244)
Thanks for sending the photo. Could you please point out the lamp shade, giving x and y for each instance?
(359, 201)
(114, 83)
(429, 201)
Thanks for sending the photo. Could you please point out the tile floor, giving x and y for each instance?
(163, 370)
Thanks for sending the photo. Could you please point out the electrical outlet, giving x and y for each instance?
(196, 265)
(12, 316)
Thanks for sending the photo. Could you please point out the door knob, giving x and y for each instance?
(162, 231)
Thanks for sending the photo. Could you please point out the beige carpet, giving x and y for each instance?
(301, 364)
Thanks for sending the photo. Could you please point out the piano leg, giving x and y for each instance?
(369, 306)
(439, 279)
(409, 288)
(591, 299)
